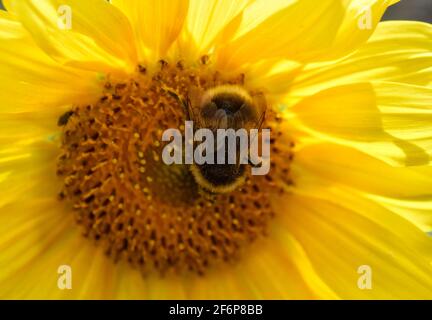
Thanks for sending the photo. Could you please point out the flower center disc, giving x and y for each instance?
(153, 215)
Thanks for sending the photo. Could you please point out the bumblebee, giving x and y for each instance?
(223, 107)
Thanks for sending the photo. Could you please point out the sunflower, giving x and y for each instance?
(87, 90)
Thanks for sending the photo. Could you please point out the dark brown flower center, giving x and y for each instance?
(138, 208)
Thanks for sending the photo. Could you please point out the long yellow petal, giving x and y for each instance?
(339, 238)
(39, 238)
(404, 190)
(156, 24)
(390, 121)
(31, 80)
(329, 30)
(359, 170)
(77, 33)
(398, 51)
(206, 19)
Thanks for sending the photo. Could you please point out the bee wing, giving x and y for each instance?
(221, 119)
(261, 105)
(194, 105)
(260, 120)
(240, 121)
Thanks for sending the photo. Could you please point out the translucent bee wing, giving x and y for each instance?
(239, 119)
(195, 95)
(260, 103)
(221, 119)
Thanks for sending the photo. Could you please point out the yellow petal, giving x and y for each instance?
(340, 235)
(398, 51)
(92, 35)
(299, 257)
(31, 80)
(206, 19)
(311, 183)
(329, 30)
(265, 271)
(419, 211)
(387, 120)
(403, 190)
(156, 24)
(359, 170)
(37, 231)
(41, 237)
(275, 78)
(26, 233)
(27, 157)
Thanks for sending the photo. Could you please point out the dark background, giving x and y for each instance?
(405, 10)
(420, 10)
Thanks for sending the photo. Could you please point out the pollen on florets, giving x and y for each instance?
(153, 215)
